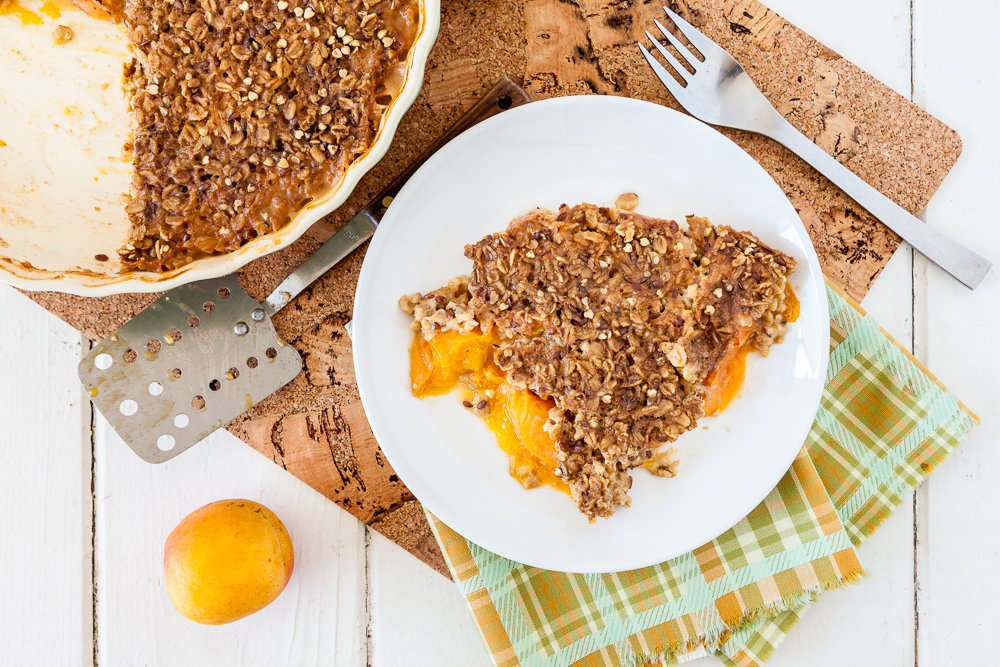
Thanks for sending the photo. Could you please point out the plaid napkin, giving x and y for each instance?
(883, 424)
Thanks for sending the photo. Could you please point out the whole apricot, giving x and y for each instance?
(227, 560)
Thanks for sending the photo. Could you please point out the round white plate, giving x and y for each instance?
(569, 150)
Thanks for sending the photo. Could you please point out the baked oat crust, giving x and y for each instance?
(244, 110)
(619, 318)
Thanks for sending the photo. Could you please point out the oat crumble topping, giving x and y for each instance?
(619, 318)
(244, 111)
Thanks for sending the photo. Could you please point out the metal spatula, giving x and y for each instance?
(205, 352)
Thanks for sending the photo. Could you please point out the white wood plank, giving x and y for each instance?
(45, 610)
(890, 300)
(320, 618)
(956, 79)
(418, 617)
(875, 36)
(869, 624)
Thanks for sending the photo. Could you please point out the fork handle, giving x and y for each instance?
(965, 265)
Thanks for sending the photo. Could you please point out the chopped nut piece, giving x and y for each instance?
(62, 34)
(627, 201)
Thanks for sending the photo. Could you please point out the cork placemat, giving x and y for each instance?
(315, 427)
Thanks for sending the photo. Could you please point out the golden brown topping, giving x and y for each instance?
(619, 318)
(242, 113)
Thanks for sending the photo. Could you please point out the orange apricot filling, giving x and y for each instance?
(437, 365)
(725, 380)
(517, 417)
(27, 16)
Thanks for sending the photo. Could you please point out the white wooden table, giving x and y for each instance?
(84, 520)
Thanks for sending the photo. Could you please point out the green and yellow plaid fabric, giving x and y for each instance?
(883, 424)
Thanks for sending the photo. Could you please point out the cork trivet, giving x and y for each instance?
(315, 427)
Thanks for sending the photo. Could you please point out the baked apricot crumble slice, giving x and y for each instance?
(589, 339)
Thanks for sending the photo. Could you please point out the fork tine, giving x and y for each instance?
(676, 43)
(662, 74)
(684, 74)
(700, 42)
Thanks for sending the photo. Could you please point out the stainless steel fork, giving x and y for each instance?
(720, 92)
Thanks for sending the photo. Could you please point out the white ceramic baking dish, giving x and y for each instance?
(64, 175)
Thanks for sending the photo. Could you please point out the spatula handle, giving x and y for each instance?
(504, 95)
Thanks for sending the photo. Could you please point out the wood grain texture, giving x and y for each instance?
(46, 609)
(416, 622)
(319, 619)
(562, 47)
(958, 515)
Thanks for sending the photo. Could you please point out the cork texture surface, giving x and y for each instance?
(315, 427)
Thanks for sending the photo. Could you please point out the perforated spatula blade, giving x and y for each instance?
(195, 359)
(205, 352)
